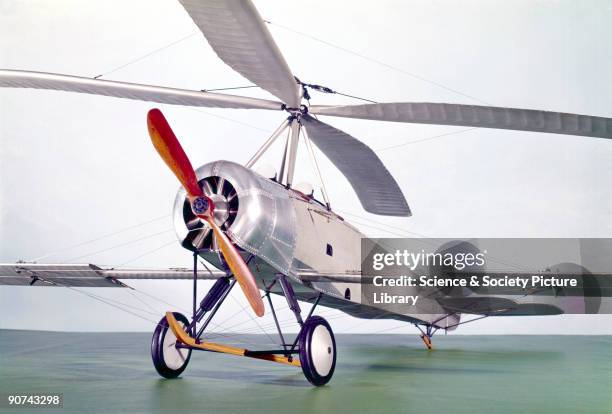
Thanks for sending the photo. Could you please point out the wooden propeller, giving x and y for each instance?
(171, 151)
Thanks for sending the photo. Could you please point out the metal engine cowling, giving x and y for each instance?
(255, 212)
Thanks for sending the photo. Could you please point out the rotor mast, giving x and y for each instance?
(294, 124)
(288, 166)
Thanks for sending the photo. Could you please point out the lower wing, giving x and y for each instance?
(87, 275)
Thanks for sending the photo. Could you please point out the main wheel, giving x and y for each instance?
(317, 351)
(169, 360)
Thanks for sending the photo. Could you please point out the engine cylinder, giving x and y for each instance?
(254, 211)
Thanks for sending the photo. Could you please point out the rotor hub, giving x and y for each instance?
(296, 112)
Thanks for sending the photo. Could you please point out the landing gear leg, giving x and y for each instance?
(170, 356)
(315, 341)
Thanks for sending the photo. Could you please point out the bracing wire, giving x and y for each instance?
(253, 319)
(142, 300)
(231, 88)
(132, 310)
(173, 43)
(325, 89)
(288, 322)
(378, 62)
(416, 141)
(123, 230)
(108, 302)
(147, 253)
(225, 118)
(146, 55)
(355, 97)
(401, 233)
(396, 232)
(315, 165)
(119, 245)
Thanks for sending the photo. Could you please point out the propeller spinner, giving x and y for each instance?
(171, 151)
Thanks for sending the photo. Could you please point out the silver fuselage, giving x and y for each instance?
(283, 231)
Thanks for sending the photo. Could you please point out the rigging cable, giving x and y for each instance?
(148, 54)
(315, 166)
(130, 291)
(378, 62)
(227, 119)
(173, 241)
(416, 141)
(123, 230)
(138, 59)
(230, 88)
(325, 89)
(120, 245)
(108, 302)
(406, 232)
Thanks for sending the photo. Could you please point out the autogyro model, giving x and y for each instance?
(264, 232)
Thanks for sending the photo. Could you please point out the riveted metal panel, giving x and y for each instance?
(265, 223)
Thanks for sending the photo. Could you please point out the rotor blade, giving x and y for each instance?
(239, 268)
(159, 94)
(476, 116)
(238, 35)
(171, 152)
(376, 188)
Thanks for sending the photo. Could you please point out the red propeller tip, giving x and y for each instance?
(170, 150)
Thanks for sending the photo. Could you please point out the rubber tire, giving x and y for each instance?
(306, 347)
(157, 350)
